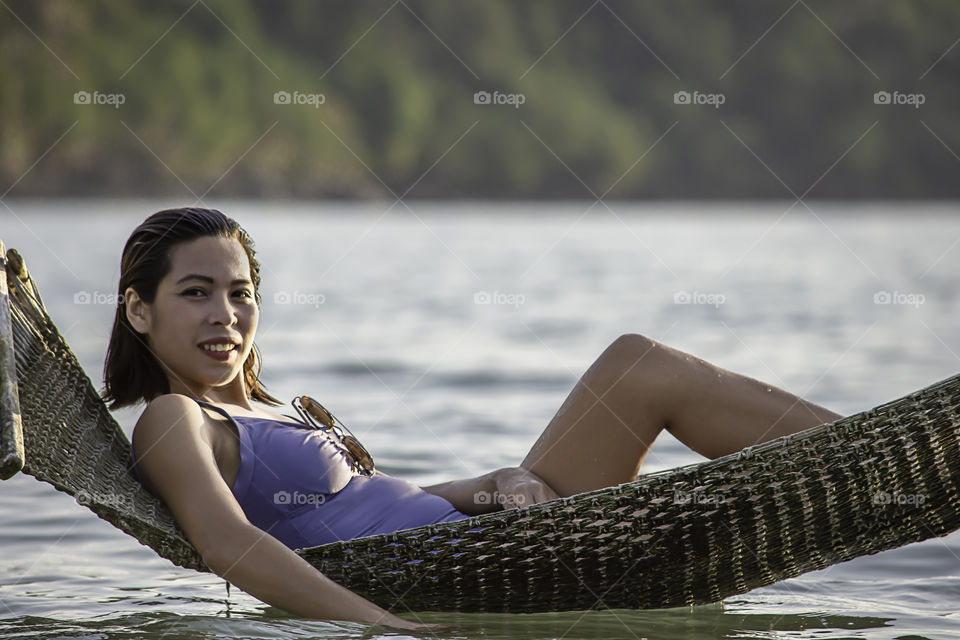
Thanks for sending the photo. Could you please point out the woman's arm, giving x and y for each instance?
(505, 488)
(178, 465)
(471, 496)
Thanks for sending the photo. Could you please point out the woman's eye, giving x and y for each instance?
(189, 292)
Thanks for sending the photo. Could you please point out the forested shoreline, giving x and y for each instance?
(433, 99)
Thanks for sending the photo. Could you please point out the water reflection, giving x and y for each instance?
(696, 623)
(709, 621)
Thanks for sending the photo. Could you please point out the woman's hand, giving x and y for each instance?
(390, 620)
(508, 488)
(516, 487)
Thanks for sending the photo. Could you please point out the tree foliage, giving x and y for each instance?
(599, 114)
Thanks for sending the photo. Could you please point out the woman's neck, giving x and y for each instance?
(233, 393)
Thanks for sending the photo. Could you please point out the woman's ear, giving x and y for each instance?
(138, 311)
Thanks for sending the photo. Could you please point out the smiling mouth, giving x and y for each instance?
(219, 348)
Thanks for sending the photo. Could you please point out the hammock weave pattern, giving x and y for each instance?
(869, 482)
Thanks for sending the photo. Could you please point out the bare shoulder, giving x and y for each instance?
(175, 412)
(171, 429)
(170, 409)
(177, 461)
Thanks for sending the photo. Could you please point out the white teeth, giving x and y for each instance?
(218, 347)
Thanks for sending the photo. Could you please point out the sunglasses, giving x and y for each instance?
(316, 415)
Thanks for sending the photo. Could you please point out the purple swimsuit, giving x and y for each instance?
(299, 487)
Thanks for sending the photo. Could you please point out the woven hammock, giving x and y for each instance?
(696, 534)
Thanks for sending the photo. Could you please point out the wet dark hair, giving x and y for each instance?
(131, 372)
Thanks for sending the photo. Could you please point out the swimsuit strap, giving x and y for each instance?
(224, 413)
(219, 410)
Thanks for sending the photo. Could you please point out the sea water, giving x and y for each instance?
(447, 334)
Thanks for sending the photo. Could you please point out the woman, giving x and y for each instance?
(182, 342)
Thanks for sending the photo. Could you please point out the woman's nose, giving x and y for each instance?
(223, 311)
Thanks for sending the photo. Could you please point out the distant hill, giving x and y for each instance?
(481, 99)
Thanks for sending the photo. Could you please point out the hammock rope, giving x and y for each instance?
(869, 482)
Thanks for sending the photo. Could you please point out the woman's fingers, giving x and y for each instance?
(519, 487)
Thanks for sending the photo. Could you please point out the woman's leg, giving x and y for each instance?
(637, 388)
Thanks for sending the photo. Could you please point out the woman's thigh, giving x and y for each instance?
(607, 423)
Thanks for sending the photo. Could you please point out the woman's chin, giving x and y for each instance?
(215, 376)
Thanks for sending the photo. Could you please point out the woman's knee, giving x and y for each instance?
(635, 350)
(641, 364)
(633, 342)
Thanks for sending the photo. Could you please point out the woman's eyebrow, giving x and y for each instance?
(197, 276)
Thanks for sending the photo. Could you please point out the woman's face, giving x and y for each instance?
(206, 295)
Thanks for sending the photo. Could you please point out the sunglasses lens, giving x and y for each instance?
(359, 453)
(308, 407)
(317, 410)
